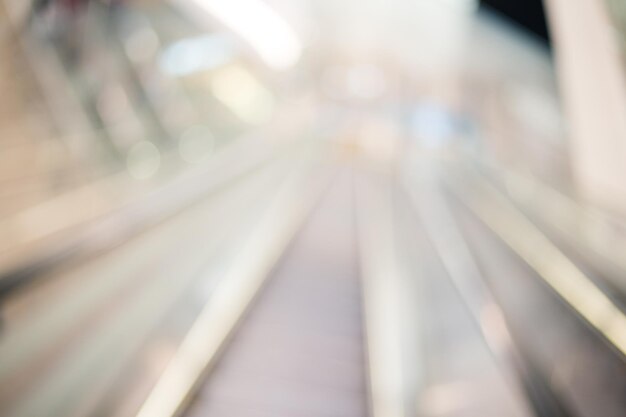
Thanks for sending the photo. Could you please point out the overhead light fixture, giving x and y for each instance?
(260, 26)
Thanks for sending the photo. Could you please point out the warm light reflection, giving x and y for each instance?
(243, 94)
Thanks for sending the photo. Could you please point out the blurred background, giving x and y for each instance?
(383, 208)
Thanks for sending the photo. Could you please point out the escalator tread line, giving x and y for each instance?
(239, 285)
